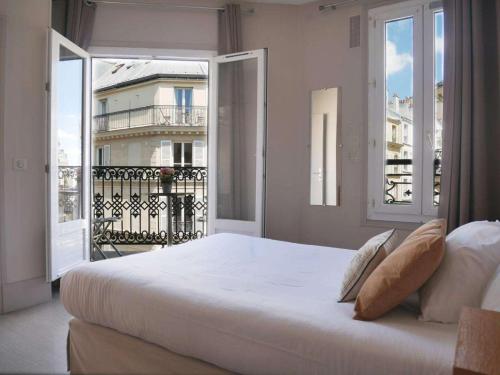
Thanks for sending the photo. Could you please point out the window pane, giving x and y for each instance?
(398, 111)
(177, 154)
(236, 140)
(69, 117)
(438, 102)
(188, 154)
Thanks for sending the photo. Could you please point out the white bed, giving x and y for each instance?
(253, 306)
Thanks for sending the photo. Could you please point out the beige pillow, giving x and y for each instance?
(404, 271)
(367, 258)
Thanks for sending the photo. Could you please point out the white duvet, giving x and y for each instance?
(254, 306)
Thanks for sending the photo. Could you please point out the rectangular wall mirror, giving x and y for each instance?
(325, 147)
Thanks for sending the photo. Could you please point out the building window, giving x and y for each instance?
(183, 96)
(394, 133)
(103, 106)
(406, 87)
(103, 155)
(183, 154)
(184, 104)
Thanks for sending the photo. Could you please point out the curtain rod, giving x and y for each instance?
(334, 6)
(132, 3)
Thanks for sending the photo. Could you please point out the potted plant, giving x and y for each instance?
(166, 179)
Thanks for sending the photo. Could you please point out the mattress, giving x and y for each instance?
(253, 306)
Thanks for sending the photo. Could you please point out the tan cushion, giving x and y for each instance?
(403, 271)
(367, 258)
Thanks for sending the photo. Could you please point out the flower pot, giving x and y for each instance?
(166, 187)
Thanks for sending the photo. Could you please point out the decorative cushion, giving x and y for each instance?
(403, 271)
(491, 299)
(472, 256)
(367, 258)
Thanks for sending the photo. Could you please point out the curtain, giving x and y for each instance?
(230, 148)
(470, 182)
(80, 16)
(229, 40)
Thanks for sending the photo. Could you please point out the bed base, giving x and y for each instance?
(93, 349)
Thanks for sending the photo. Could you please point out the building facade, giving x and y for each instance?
(150, 114)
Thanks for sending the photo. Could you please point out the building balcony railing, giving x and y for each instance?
(399, 181)
(127, 194)
(153, 115)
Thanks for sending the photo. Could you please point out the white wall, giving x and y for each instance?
(22, 209)
(155, 27)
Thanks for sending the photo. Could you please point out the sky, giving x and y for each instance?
(399, 55)
(69, 109)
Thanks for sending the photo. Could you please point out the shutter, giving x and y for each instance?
(199, 157)
(166, 157)
(106, 155)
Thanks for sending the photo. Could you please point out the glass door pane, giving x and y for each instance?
(69, 117)
(236, 140)
(398, 186)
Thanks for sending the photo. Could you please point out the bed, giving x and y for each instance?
(232, 303)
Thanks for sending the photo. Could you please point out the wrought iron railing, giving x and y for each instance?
(69, 193)
(153, 115)
(129, 194)
(399, 180)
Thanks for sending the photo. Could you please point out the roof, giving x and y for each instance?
(128, 72)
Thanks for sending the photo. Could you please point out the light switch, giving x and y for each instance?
(20, 164)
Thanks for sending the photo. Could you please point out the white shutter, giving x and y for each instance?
(199, 154)
(166, 157)
(106, 155)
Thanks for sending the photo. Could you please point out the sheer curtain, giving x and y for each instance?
(470, 182)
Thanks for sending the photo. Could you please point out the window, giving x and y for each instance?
(103, 106)
(184, 103)
(103, 155)
(405, 96)
(183, 154)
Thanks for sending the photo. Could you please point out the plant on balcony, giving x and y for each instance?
(166, 179)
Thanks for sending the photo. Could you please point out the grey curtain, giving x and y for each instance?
(229, 40)
(80, 17)
(231, 147)
(470, 182)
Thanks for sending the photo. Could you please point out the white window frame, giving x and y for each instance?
(105, 152)
(421, 209)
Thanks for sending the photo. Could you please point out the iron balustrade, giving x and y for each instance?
(398, 183)
(153, 115)
(128, 193)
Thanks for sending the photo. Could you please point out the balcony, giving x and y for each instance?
(398, 180)
(127, 193)
(153, 115)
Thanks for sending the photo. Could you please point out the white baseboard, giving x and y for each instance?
(26, 293)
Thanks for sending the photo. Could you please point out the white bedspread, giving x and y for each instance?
(254, 306)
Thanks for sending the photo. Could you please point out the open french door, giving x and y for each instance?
(237, 138)
(69, 156)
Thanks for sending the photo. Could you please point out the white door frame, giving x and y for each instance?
(256, 227)
(61, 236)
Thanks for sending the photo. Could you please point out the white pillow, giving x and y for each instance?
(472, 256)
(491, 299)
(367, 258)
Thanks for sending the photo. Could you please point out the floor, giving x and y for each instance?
(34, 340)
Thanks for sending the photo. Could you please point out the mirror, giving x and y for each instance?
(325, 147)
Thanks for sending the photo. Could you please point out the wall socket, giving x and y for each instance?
(20, 164)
